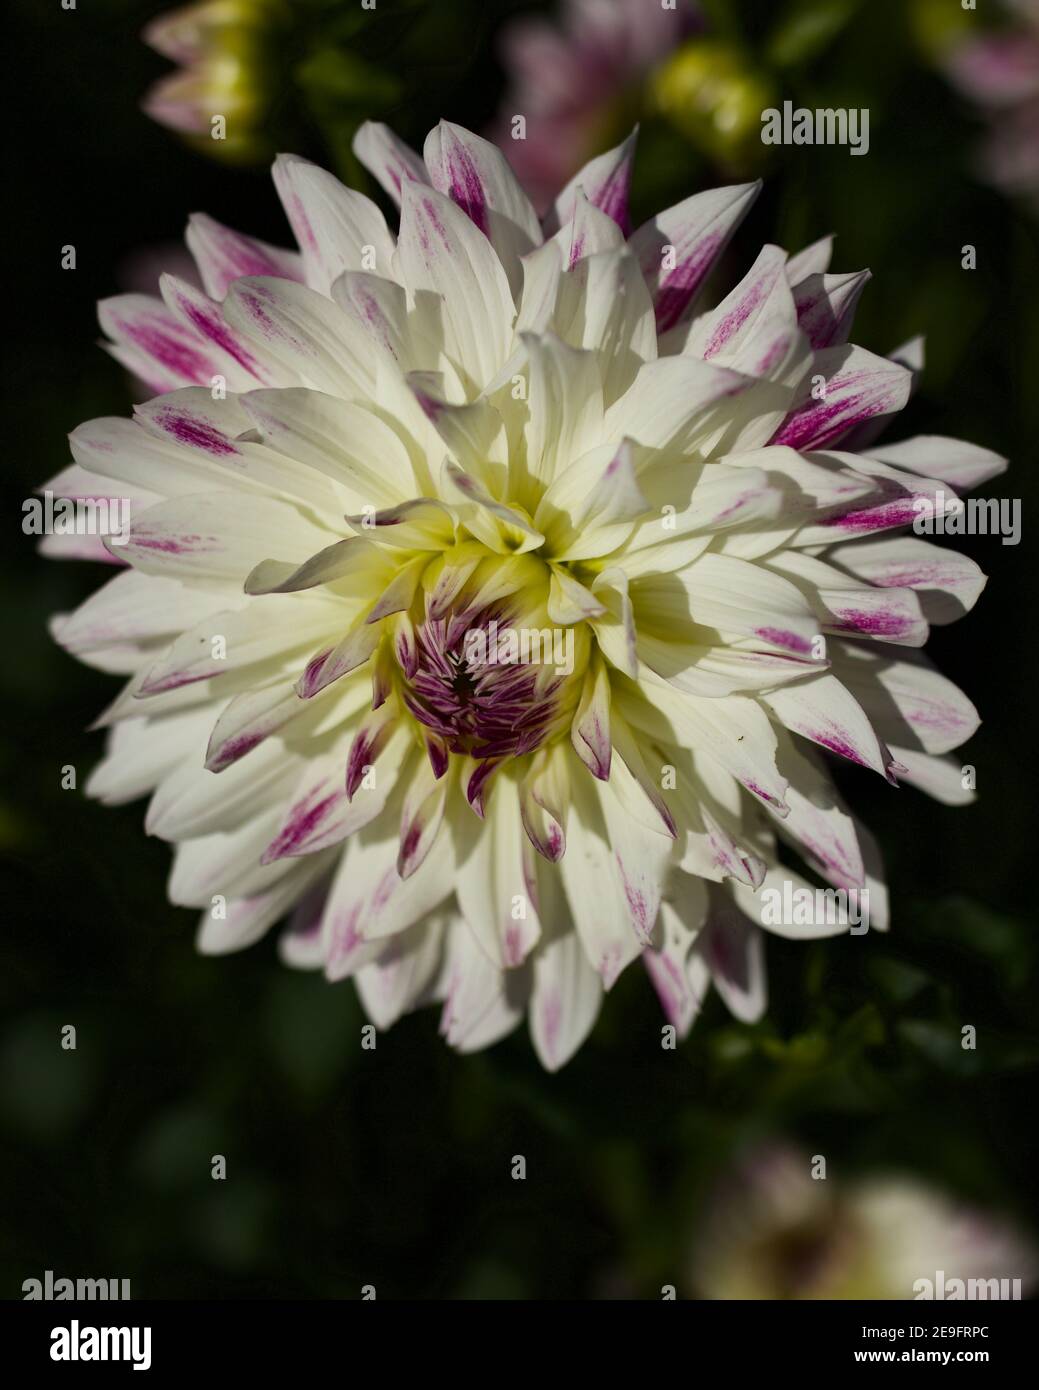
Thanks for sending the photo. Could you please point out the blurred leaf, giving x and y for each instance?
(898, 981)
(804, 32)
(176, 1151)
(313, 1030)
(332, 76)
(45, 1089)
(231, 1219)
(1006, 943)
(992, 1054)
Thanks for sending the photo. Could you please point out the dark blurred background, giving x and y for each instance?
(392, 1168)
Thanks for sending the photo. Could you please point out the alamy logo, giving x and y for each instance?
(949, 515)
(816, 907)
(81, 516)
(823, 126)
(951, 1290)
(82, 1290)
(511, 646)
(76, 1343)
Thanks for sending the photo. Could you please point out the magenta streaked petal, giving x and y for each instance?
(678, 248)
(223, 255)
(604, 181)
(826, 306)
(155, 345)
(388, 159)
(858, 387)
(590, 731)
(421, 818)
(370, 740)
(335, 662)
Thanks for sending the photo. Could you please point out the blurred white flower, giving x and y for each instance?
(222, 50)
(773, 1231)
(573, 79)
(999, 71)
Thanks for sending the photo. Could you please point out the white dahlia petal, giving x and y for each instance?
(699, 230)
(332, 224)
(604, 181)
(387, 158)
(565, 1000)
(223, 255)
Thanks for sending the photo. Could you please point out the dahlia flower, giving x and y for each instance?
(574, 80)
(999, 71)
(775, 1231)
(221, 51)
(483, 425)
